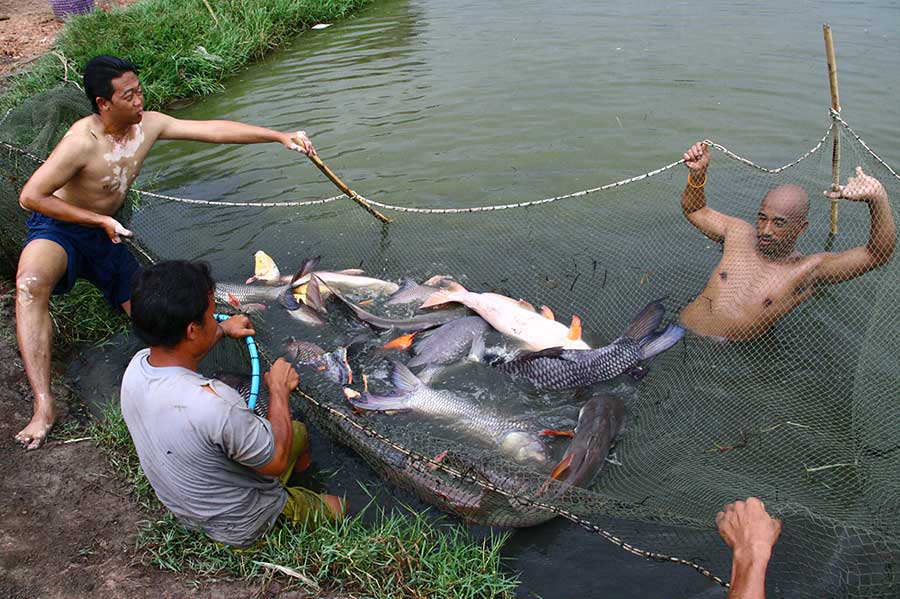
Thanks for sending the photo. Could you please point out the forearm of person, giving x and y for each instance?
(54, 207)
(883, 230)
(280, 417)
(748, 574)
(693, 198)
(225, 132)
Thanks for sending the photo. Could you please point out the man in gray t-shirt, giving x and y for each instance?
(210, 459)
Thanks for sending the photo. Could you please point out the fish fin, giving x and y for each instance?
(351, 271)
(428, 374)
(405, 286)
(476, 350)
(526, 305)
(251, 280)
(638, 372)
(439, 297)
(646, 321)
(550, 352)
(401, 342)
(235, 302)
(252, 308)
(375, 403)
(313, 295)
(561, 467)
(435, 280)
(575, 329)
(656, 345)
(403, 378)
(547, 313)
(549, 432)
(308, 266)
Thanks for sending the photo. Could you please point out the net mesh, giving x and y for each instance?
(804, 416)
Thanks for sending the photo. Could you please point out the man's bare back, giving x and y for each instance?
(761, 276)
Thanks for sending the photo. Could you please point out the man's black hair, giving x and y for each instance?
(98, 75)
(167, 297)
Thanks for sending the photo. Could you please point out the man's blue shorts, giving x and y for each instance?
(90, 255)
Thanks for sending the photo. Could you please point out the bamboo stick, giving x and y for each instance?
(836, 106)
(343, 187)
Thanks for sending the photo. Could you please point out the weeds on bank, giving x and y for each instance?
(398, 556)
(181, 48)
(83, 316)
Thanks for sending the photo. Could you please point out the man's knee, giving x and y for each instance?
(32, 288)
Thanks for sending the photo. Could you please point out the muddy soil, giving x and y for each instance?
(28, 28)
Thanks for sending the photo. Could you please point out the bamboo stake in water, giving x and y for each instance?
(836, 106)
(343, 187)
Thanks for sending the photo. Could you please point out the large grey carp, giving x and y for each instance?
(451, 342)
(599, 423)
(560, 368)
(515, 439)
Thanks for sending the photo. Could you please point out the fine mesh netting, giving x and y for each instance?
(805, 415)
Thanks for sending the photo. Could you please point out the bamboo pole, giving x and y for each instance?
(343, 187)
(835, 106)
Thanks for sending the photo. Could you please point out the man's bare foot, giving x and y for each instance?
(34, 435)
(337, 505)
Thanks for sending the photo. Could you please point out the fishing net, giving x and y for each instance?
(805, 415)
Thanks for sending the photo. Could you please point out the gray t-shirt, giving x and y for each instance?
(199, 450)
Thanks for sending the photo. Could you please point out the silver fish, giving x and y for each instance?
(518, 440)
(333, 365)
(414, 323)
(412, 292)
(559, 368)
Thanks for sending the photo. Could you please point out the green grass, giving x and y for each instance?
(162, 37)
(397, 556)
(83, 316)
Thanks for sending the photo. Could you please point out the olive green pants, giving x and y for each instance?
(303, 505)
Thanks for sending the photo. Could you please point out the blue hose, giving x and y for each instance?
(254, 365)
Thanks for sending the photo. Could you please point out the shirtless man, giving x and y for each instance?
(74, 195)
(761, 276)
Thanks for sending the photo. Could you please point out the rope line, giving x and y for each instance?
(836, 118)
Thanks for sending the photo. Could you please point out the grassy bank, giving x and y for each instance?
(397, 556)
(182, 49)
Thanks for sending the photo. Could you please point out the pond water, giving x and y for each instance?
(430, 103)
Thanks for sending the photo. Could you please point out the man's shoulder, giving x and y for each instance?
(81, 138)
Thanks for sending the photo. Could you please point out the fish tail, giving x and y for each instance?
(453, 293)
(643, 325)
(377, 403)
(405, 286)
(656, 344)
(288, 300)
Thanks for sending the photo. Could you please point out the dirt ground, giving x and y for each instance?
(66, 523)
(28, 28)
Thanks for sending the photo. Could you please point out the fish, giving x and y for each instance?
(413, 323)
(265, 269)
(451, 342)
(600, 421)
(412, 292)
(515, 439)
(560, 368)
(332, 365)
(514, 318)
(347, 281)
(309, 311)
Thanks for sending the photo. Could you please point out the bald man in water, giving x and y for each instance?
(761, 276)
